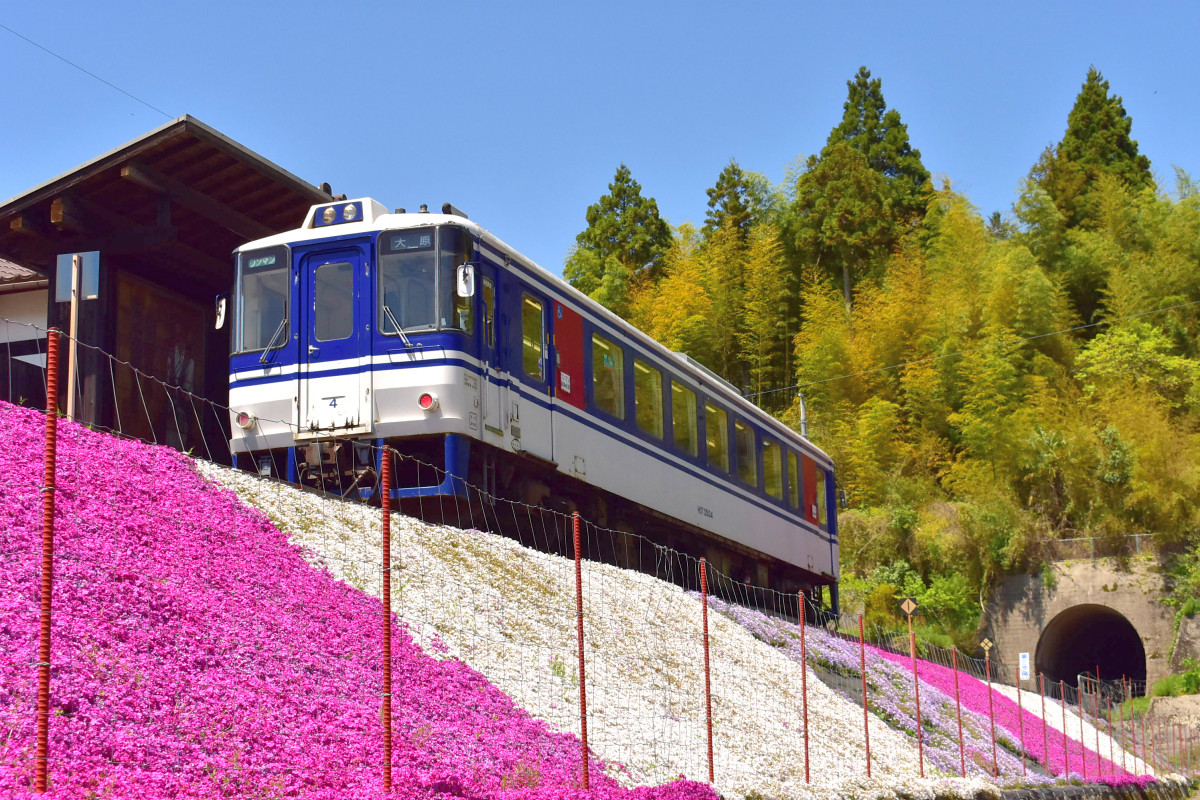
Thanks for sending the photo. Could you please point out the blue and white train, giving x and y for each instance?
(425, 331)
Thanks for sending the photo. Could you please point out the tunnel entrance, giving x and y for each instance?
(1086, 637)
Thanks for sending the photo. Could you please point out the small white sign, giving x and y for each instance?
(1024, 666)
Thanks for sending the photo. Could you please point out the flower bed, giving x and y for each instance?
(509, 612)
(975, 695)
(197, 654)
(890, 695)
(1031, 703)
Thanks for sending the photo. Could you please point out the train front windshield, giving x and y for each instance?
(417, 280)
(262, 299)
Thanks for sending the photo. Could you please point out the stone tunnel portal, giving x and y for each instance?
(1086, 637)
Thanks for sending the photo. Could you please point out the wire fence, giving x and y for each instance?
(484, 642)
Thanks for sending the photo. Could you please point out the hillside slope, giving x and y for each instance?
(198, 654)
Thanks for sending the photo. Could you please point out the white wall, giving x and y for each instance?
(22, 309)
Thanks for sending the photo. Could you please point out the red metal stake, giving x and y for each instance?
(962, 755)
(1082, 739)
(1045, 726)
(1153, 741)
(49, 474)
(987, 662)
(579, 631)
(707, 674)
(1112, 759)
(1096, 716)
(385, 500)
(862, 649)
(1062, 696)
(804, 681)
(912, 651)
(1021, 723)
(1121, 727)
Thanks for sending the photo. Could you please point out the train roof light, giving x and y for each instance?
(338, 213)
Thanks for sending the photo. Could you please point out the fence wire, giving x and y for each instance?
(195, 645)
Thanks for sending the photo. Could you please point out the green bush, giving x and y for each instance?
(1170, 686)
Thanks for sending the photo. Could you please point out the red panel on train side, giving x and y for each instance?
(568, 346)
(809, 471)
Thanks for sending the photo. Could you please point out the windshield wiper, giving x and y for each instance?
(387, 310)
(274, 338)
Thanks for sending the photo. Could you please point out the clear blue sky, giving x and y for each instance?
(520, 115)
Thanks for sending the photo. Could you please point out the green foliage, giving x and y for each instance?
(625, 240)
(867, 188)
(741, 200)
(875, 130)
(1097, 142)
(985, 387)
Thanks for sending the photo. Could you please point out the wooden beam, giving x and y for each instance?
(68, 214)
(122, 241)
(28, 225)
(202, 204)
(69, 211)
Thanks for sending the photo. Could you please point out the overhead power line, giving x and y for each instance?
(86, 72)
(1010, 343)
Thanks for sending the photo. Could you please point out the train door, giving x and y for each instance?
(335, 375)
(492, 386)
(529, 417)
(568, 380)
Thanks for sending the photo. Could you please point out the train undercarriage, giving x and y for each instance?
(451, 480)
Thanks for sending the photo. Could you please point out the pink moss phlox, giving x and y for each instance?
(196, 654)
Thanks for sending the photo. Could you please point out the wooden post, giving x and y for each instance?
(72, 363)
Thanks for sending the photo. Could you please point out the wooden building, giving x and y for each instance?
(22, 344)
(164, 212)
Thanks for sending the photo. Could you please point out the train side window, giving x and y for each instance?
(747, 459)
(773, 468)
(716, 435)
(454, 246)
(533, 337)
(822, 515)
(793, 480)
(608, 376)
(333, 301)
(647, 398)
(683, 419)
(489, 313)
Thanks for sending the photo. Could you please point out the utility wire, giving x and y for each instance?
(1011, 343)
(85, 72)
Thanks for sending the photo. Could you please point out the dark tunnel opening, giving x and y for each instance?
(1086, 637)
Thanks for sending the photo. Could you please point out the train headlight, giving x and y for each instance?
(246, 420)
(428, 401)
(338, 214)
